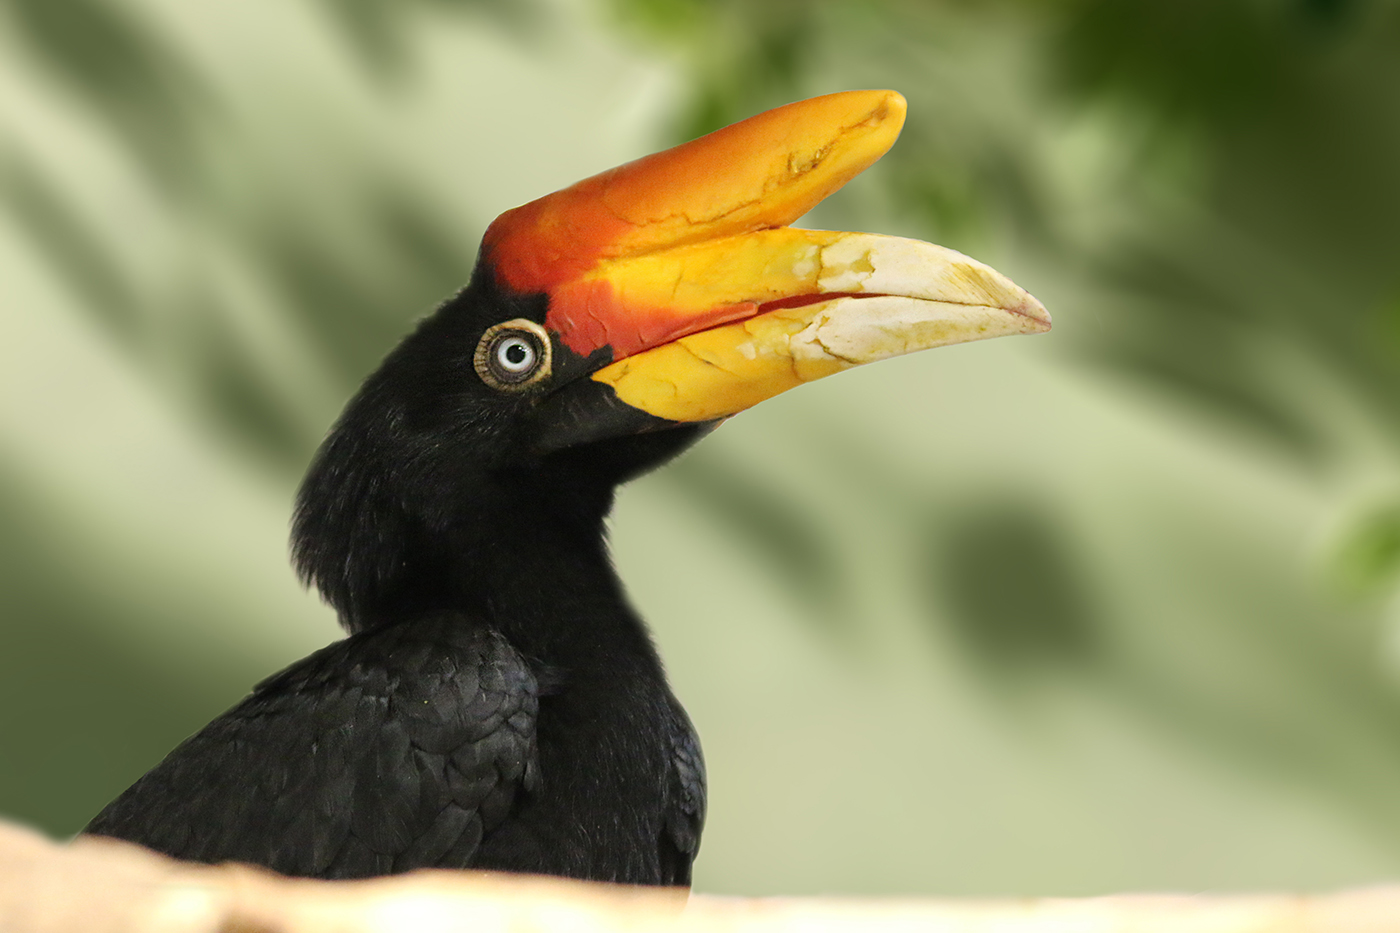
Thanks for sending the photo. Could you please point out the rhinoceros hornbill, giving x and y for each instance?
(497, 703)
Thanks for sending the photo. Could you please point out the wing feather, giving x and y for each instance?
(391, 750)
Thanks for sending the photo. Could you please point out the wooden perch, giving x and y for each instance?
(104, 886)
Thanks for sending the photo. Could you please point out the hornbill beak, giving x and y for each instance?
(677, 292)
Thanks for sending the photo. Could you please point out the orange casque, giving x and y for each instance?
(761, 173)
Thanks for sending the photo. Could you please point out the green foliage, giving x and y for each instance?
(381, 31)
(1045, 620)
(1367, 561)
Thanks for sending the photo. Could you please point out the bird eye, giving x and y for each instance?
(513, 355)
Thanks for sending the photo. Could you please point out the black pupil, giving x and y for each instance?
(516, 353)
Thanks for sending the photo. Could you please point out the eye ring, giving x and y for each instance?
(513, 355)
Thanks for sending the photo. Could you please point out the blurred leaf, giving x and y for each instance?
(746, 57)
(1295, 201)
(1217, 382)
(1014, 591)
(374, 29)
(346, 306)
(379, 30)
(1388, 330)
(1206, 59)
(80, 257)
(431, 259)
(129, 76)
(677, 20)
(1331, 13)
(1367, 560)
(238, 395)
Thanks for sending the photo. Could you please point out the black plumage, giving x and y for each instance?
(498, 704)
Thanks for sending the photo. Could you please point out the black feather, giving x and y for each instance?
(498, 704)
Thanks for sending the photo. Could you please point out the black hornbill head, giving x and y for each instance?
(607, 326)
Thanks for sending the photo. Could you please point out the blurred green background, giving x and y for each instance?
(1113, 608)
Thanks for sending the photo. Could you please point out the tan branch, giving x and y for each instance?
(103, 886)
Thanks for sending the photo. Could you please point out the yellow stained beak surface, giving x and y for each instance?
(891, 296)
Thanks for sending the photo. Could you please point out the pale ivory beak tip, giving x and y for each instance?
(1037, 318)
